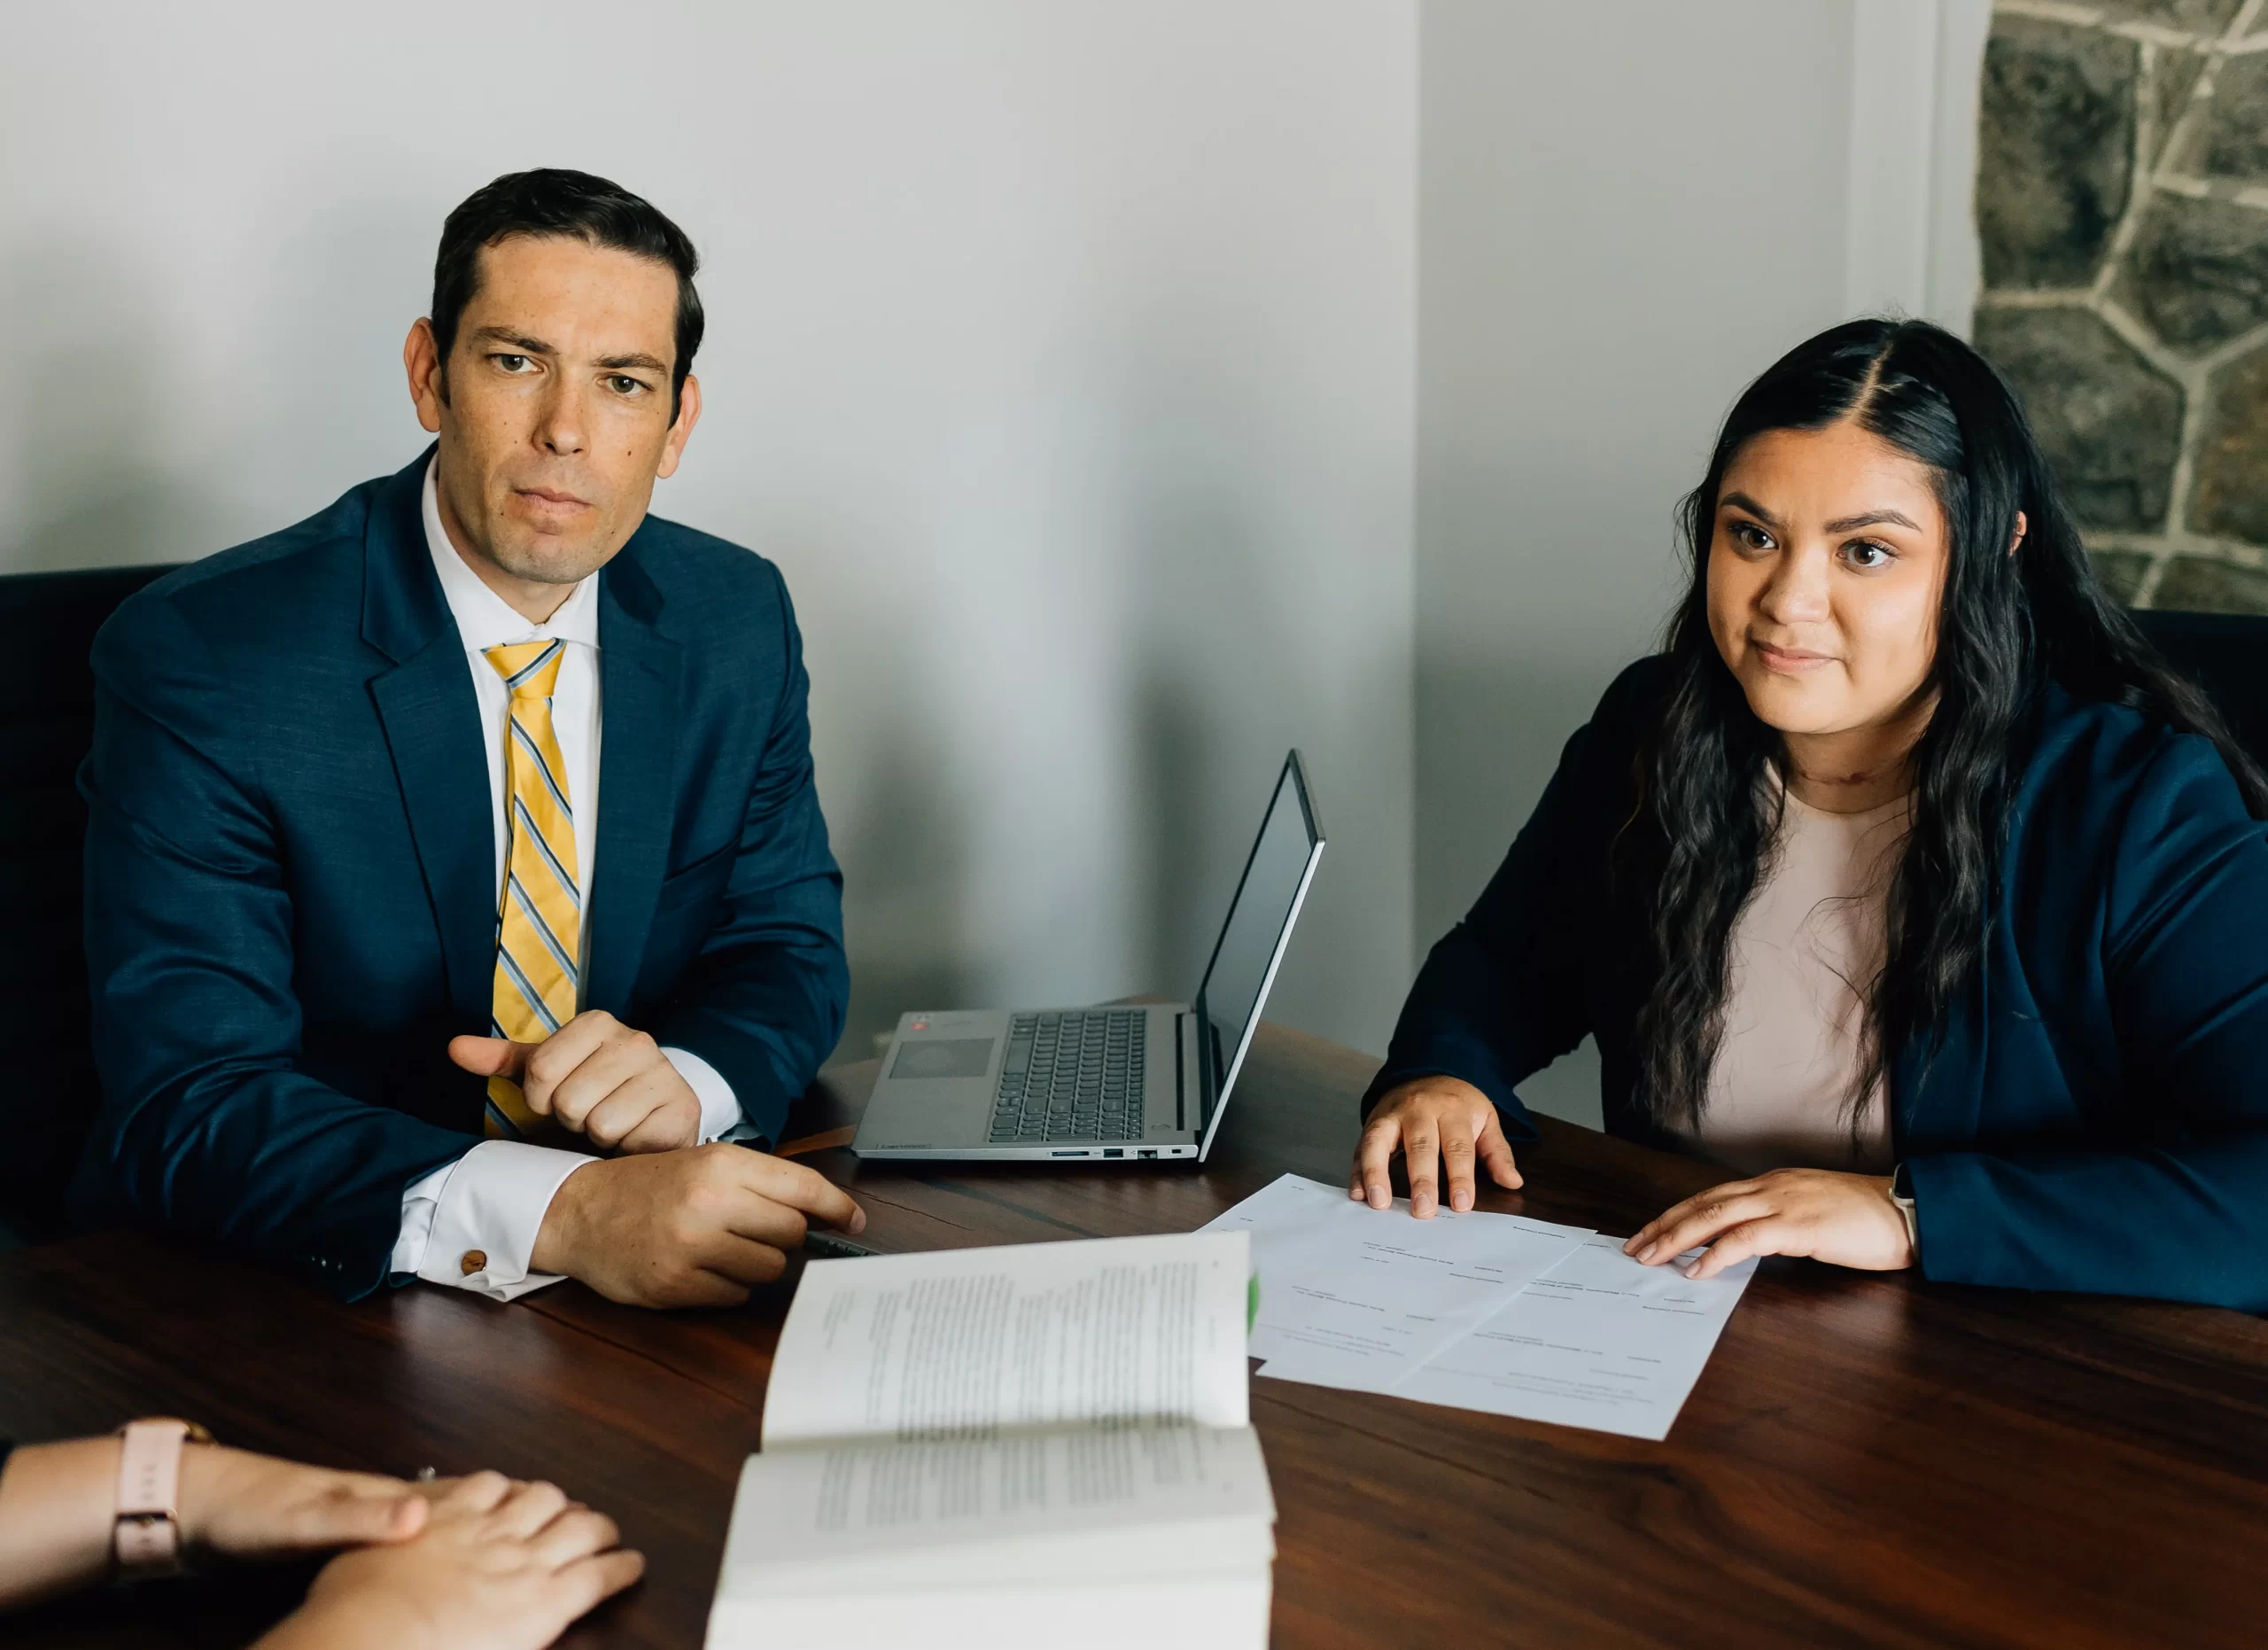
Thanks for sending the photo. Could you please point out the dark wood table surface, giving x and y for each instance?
(1867, 1460)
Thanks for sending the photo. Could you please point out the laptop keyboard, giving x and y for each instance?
(1075, 1076)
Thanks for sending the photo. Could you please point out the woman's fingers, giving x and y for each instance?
(1373, 1180)
(1750, 1237)
(1696, 1220)
(1496, 1154)
(529, 1508)
(577, 1533)
(601, 1576)
(1420, 1158)
(1457, 1158)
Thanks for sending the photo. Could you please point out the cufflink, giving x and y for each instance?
(473, 1260)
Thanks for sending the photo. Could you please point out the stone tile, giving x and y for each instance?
(2171, 78)
(2236, 120)
(2198, 270)
(2229, 499)
(2055, 142)
(2194, 585)
(2108, 421)
(2121, 572)
(2199, 17)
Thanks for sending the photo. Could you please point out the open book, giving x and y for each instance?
(1046, 1444)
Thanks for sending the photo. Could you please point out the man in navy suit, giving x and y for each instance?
(379, 963)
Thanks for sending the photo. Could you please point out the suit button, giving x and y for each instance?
(473, 1260)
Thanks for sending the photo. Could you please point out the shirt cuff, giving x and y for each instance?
(473, 1225)
(721, 1118)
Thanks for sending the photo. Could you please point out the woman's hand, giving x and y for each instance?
(499, 1566)
(1843, 1220)
(1429, 1119)
(241, 1506)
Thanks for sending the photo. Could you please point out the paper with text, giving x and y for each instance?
(1601, 1342)
(970, 1344)
(807, 1509)
(1351, 1295)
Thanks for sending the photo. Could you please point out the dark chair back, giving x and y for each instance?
(47, 1096)
(2225, 654)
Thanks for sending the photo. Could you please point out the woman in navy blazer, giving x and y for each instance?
(2067, 1026)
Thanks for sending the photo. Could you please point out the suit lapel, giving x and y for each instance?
(640, 674)
(431, 718)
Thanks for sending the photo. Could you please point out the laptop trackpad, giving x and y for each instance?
(943, 1057)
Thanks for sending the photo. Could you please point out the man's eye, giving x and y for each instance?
(511, 363)
(622, 384)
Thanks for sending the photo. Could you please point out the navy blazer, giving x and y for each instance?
(291, 870)
(2096, 1115)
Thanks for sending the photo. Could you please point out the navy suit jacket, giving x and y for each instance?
(290, 871)
(2096, 1115)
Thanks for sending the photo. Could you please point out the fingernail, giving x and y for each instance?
(1693, 1269)
(1647, 1253)
(857, 1221)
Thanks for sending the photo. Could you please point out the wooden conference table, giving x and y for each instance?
(1867, 1460)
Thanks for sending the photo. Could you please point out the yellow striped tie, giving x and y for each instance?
(540, 917)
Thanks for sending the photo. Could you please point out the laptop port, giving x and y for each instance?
(1066, 1154)
(1114, 1151)
(1147, 1151)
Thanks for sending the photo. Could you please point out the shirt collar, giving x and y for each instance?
(485, 619)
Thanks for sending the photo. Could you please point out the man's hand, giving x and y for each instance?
(1427, 1118)
(597, 1076)
(684, 1229)
(1843, 1220)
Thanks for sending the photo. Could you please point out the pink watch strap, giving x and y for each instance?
(146, 1539)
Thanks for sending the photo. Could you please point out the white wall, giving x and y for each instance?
(1627, 209)
(1060, 351)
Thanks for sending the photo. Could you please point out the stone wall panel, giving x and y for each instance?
(2231, 496)
(2122, 201)
(2057, 139)
(2198, 272)
(2107, 422)
(2236, 124)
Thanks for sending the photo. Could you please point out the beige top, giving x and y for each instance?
(1807, 944)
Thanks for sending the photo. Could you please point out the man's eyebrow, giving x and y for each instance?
(614, 363)
(1873, 517)
(499, 335)
(1741, 500)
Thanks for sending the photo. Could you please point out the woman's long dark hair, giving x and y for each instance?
(1708, 812)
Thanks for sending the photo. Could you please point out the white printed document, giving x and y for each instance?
(1353, 1296)
(1043, 1444)
(1601, 1341)
(1570, 1330)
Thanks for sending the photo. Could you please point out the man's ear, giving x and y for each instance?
(2022, 526)
(688, 413)
(428, 387)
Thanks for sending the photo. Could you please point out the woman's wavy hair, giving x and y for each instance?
(1708, 811)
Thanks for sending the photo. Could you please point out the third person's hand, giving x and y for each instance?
(1436, 1123)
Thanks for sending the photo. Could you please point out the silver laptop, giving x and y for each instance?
(1125, 1083)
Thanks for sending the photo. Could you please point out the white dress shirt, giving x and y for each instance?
(491, 1202)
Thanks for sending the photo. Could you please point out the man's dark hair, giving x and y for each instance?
(551, 200)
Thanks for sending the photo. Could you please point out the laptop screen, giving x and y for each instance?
(1251, 940)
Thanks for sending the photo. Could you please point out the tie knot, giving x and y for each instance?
(529, 668)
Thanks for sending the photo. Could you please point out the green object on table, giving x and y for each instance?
(1252, 1304)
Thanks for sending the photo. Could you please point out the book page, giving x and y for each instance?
(1171, 1497)
(972, 1344)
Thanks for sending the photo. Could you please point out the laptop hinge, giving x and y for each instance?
(1181, 1071)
